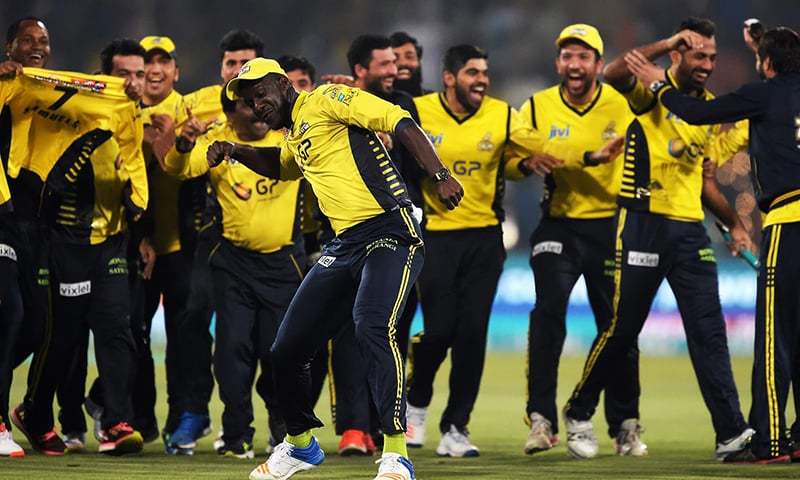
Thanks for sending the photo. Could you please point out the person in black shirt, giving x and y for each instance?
(773, 109)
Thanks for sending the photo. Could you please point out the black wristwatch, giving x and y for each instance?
(657, 85)
(442, 175)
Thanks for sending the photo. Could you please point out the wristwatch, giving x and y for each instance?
(442, 175)
(657, 85)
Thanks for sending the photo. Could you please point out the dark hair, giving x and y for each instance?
(290, 62)
(703, 26)
(577, 41)
(228, 105)
(120, 46)
(360, 51)
(241, 40)
(399, 39)
(782, 46)
(13, 29)
(456, 57)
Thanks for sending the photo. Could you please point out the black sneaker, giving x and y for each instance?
(243, 450)
(49, 444)
(747, 456)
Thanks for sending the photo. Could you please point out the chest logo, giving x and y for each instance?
(436, 140)
(556, 132)
(610, 132)
(486, 145)
(304, 128)
(242, 191)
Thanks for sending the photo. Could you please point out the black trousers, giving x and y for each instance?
(252, 292)
(562, 251)
(378, 259)
(196, 382)
(456, 290)
(171, 279)
(32, 251)
(11, 312)
(650, 248)
(777, 330)
(89, 287)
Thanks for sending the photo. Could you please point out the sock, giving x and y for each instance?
(395, 443)
(300, 441)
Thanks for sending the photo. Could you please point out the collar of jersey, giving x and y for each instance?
(446, 108)
(672, 81)
(301, 98)
(591, 105)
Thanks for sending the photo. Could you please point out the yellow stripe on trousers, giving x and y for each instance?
(769, 341)
(595, 353)
(331, 381)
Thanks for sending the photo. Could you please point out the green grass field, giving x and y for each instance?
(678, 432)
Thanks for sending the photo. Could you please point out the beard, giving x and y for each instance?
(462, 95)
(412, 86)
(375, 86)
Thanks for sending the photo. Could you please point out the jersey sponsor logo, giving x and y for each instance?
(436, 140)
(118, 266)
(707, 255)
(304, 127)
(336, 92)
(642, 259)
(463, 167)
(326, 260)
(242, 191)
(547, 247)
(677, 148)
(486, 145)
(610, 132)
(75, 289)
(385, 242)
(556, 132)
(8, 251)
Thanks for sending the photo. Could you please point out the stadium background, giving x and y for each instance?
(519, 38)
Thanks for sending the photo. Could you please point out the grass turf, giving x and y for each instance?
(678, 433)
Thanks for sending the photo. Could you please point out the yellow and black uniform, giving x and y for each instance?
(660, 235)
(83, 143)
(375, 257)
(575, 237)
(464, 248)
(256, 266)
(772, 108)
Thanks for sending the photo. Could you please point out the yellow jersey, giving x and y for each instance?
(258, 213)
(663, 168)
(333, 143)
(7, 91)
(82, 137)
(580, 191)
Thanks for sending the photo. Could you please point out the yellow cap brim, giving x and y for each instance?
(254, 69)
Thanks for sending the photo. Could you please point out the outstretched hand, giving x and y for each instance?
(609, 152)
(642, 68)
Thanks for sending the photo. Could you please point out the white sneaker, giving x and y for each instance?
(286, 460)
(455, 443)
(581, 442)
(541, 436)
(219, 442)
(75, 442)
(8, 447)
(735, 444)
(629, 441)
(415, 425)
(394, 467)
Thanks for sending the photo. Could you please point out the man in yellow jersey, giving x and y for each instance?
(376, 255)
(87, 150)
(257, 266)
(660, 235)
(195, 382)
(11, 308)
(576, 234)
(473, 133)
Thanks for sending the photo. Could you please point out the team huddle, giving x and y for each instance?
(311, 222)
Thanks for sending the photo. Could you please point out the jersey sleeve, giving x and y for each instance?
(290, 170)
(191, 164)
(639, 97)
(129, 135)
(725, 145)
(357, 107)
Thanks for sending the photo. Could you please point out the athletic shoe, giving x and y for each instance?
(581, 442)
(219, 442)
(394, 467)
(96, 412)
(735, 444)
(75, 442)
(629, 441)
(795, 453)
(271, 444)
(242, 450)
(370, 443)
(747, 456)
(49, 444)
(455, 443)
(287, 460)
(415, 425)
(8, 447)
(353, 443)
(191, 427)
(148, 430)
(120, 440)
(541, 436)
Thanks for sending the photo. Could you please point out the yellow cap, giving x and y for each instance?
(584, 33)
(253, 70)
(156, 42)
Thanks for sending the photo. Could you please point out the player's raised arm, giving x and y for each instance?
(264, 161)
